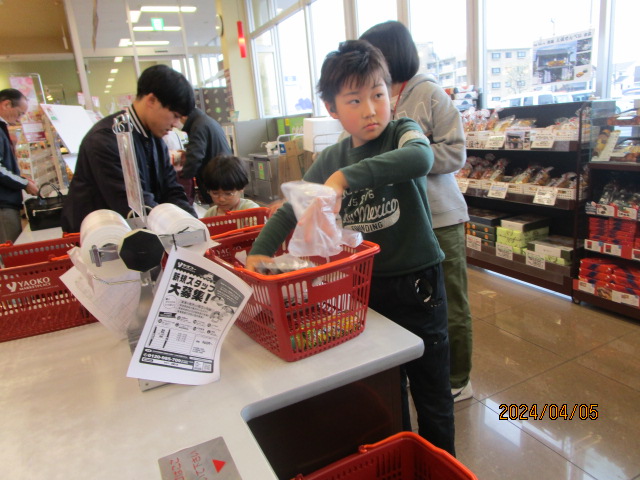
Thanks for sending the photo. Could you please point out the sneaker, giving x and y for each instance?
(463, 393)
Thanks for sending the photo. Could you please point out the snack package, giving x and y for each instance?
(542, 176)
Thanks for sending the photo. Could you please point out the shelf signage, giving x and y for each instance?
(605, 154)
(587, 287)
(543, 140)
(463, 184)
(546, 196)
(495, 141)
(535, 260)
(498, 190)
(626, 298)
(504, 251)
(474, 243)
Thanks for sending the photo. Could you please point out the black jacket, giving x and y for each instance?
(206, 140)
(98, 181)
(11, 183)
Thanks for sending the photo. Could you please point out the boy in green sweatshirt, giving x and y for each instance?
(380, 176)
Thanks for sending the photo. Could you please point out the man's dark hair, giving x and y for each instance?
(354, 63)
(12, 94)
(225, 172)
(170, 87)
(397, 46)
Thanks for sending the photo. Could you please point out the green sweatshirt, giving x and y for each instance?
(386, 199)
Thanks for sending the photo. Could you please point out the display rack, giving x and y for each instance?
(564, 207)
(607, 169)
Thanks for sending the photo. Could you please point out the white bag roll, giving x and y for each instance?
(101, 228)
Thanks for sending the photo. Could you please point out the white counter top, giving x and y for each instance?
(69, 411)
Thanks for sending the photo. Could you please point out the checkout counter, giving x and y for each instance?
(69, 411)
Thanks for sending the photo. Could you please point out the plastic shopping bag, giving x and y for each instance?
(319, 231)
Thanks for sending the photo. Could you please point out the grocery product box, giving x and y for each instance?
(486, 217)
(554, 246)
(524, 223)
(484, 236)
(479, 227)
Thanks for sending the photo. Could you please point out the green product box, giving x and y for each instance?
(525, 223)
(554, 246)
(522, 236)
(514, 248)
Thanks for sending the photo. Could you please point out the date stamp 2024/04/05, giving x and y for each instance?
(552, 411)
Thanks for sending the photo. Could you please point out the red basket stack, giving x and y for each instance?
(298, 314)
(404, 456)
(235, 220)
(33, 299)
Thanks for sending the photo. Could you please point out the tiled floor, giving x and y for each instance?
(533, 347)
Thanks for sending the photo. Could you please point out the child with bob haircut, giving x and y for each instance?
(225, 179)
(379, 174)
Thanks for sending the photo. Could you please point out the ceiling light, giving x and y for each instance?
(111, 79)
(150, 44)
(151, 29)
(167, 9)
(106, 91)
(117, 60)
(124, 42)
(134, 15)
(114, 71)
(108, 86)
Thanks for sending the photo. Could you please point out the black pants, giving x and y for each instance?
(417, 302)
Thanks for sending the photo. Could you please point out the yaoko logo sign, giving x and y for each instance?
(26, 285)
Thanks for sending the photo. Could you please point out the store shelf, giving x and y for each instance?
(612, 250)
(615, 166)
(616, 302)
(553, 277)
(560, 203)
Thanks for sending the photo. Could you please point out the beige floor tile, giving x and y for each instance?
(498, 450)
(559, 325)
(501, 360)
(619, 360)
(606, 448)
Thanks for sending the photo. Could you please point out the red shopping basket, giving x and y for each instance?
(33, 299)
(404, 456)
(235, 220)
(298, 314)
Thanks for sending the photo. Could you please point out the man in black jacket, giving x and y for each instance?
(13, 104)
(206, 141)
(163, 97)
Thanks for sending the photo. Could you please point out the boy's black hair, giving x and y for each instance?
(225, 172)
(397, 46)
(12, 94)
(354, 63)
(170, 87)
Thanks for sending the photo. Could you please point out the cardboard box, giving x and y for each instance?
(554, 246)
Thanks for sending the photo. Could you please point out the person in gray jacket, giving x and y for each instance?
(418, 97)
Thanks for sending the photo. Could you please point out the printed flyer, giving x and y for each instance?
(194, 307)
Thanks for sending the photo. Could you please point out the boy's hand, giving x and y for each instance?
(254, 260)
(338, 182)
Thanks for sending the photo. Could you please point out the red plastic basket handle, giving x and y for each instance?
(238, 231)
(7, 244)
(61, 257)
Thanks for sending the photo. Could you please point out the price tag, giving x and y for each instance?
(463, 184)
(606, 210)
(543, 140)
(587, 287)
(546, 196)
(496, 141)
(627, 299)
(628, 213)
(498, 190)
(474, 243)
(612, 249)
(635, 254)
(605, 154)
(535, 260)
(504, 251)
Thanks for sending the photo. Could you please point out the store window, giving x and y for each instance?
(372, 12)
(507, 54)
(625, 68)
(268, 97)
(442, 46)
(294, 58)
(554, 46)
(495, 56)
(495, 85)
(325, 40)
(495, 71)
